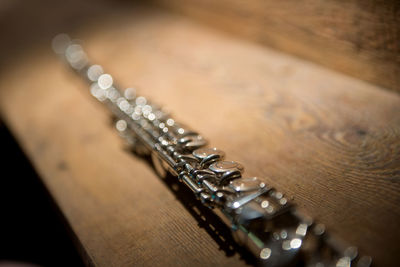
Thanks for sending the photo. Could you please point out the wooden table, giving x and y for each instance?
(329, 141)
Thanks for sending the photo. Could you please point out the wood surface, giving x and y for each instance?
(329, 141)
(356, 37)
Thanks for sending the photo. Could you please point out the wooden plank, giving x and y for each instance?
(330, 141)
(360, 38)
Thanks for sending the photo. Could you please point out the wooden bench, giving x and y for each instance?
(329, 141)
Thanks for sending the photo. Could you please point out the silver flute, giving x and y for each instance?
(260, 217)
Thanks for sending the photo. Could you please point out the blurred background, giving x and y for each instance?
(358, 38)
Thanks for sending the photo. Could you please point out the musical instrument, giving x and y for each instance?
(261, 218)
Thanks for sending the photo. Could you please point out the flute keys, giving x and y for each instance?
(221, 167)
(76, 56)
(130, 94)
(203, 153)
(246, 184)
(105, 81)
(262, 219)
(226, 171)
(192, 142)
(207, 156)
(94, 72)
(60, 43)
(121, 125)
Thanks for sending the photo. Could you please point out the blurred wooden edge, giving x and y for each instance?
(359, 38)
(329, 141)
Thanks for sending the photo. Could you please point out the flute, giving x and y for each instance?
(260, 217)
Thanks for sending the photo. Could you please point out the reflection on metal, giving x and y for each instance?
(105, 81)
(94, 72)
(260, 217)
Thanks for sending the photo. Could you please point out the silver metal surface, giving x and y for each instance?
(261, 218)
(220, 167)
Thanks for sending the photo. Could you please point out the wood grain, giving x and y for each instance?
(360, 38)
(329, 141)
